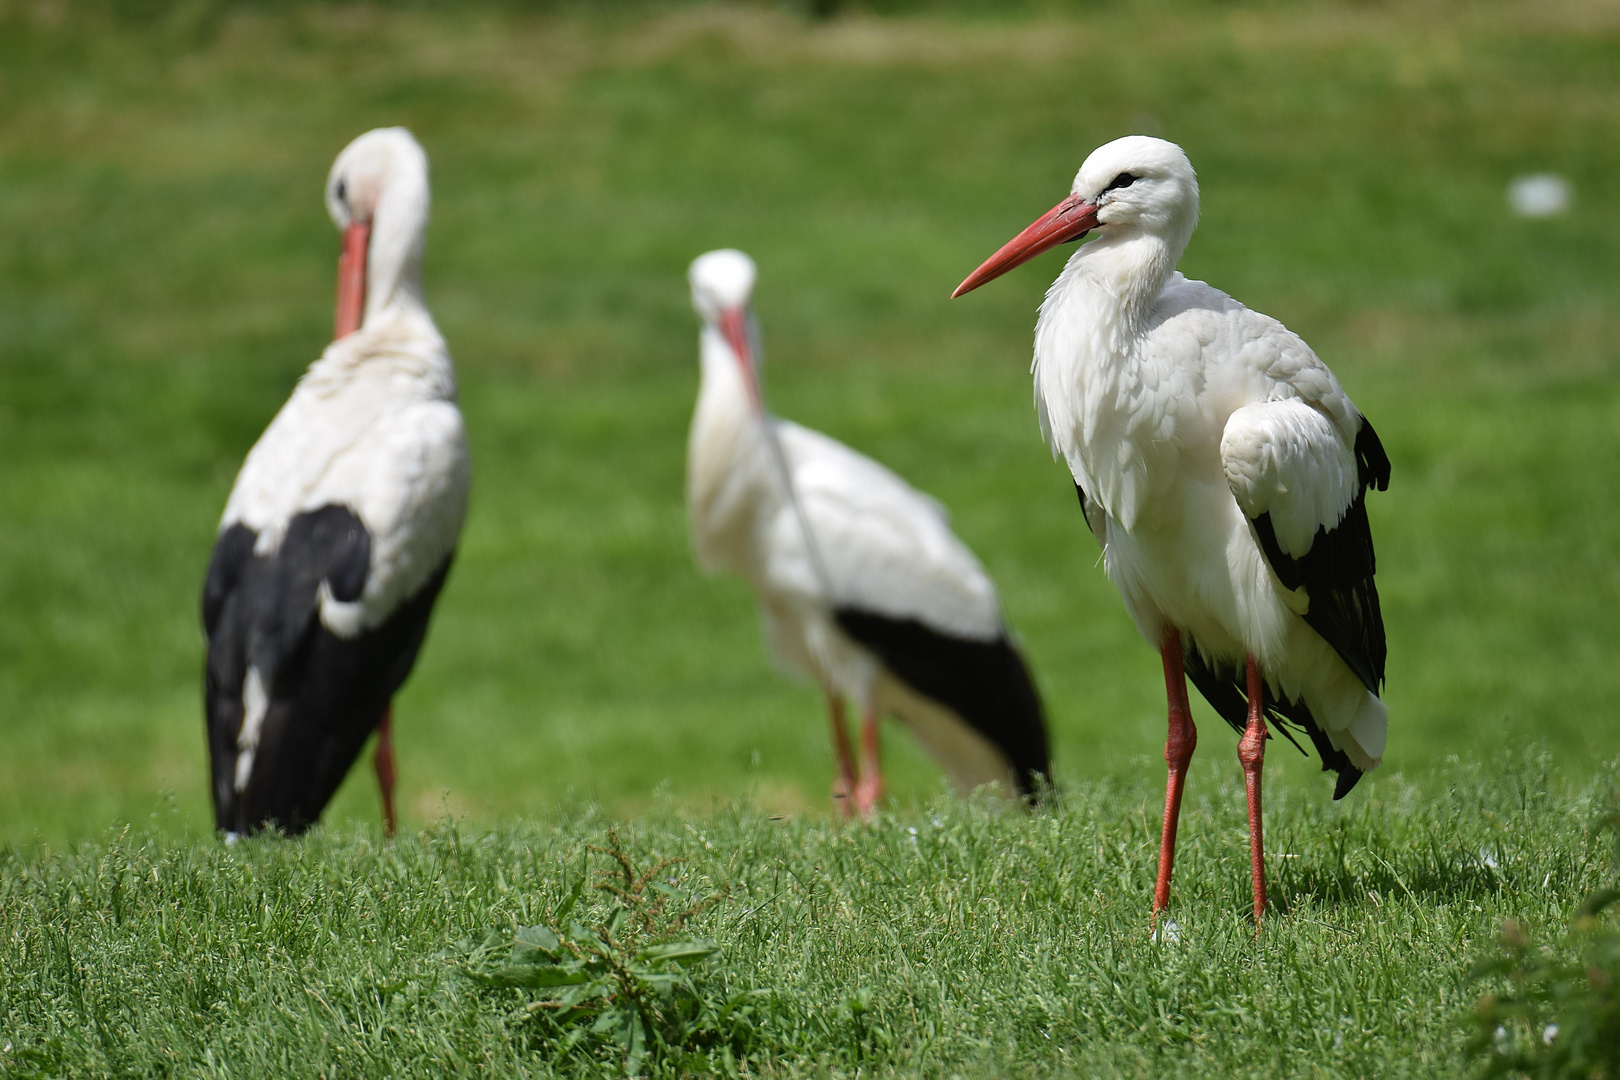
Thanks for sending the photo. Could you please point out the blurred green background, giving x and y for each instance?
(166, 272)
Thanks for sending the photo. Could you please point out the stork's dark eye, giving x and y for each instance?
(1124, 179)
(340, 191)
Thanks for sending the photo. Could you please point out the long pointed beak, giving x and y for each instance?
(734, 325)
(1068, 220)
(351, 296)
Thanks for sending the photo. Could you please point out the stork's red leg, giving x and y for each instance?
(843, 787)
(383, 761)
(1252, 753)
(1178, 751)
(870, 790)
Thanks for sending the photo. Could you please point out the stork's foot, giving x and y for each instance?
(383, 762)
(843, 786)
(868, 793)
(843, 797)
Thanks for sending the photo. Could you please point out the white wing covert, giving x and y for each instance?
(1304, 490)
(1287, 459)
(412, 500)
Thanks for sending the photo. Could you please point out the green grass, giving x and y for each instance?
(166, 273)
(944, 942)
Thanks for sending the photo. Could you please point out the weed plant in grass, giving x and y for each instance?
(948, 939)
(1554, 1012)
(620, 991)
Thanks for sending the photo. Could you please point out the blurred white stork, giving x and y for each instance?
(1223, 469)
(862, 585)
(340, 529)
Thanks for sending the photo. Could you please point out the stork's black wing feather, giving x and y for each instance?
(325, 693)
(1337, 572)
(986, 683)
(232, 551)
(324, 706)
(1085, 506)
(1225, 688)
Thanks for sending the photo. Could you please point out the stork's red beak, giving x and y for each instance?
(1068, 220)
(351, 297)
(734, 325)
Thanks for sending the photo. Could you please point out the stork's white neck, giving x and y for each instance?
(398, 232)
(1092, 321)
(1117, 278)
(728, 470)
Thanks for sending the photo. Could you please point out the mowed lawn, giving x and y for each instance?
(166, 273)
(951, 942)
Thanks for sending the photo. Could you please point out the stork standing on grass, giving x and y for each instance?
(340, 529)
(1223, 469)
(862, 585)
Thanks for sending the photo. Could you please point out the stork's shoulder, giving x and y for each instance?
(1244, 351)
(1195, 315)
(377, 408)
(1185, 297)
(887, 547)
(824, 467)
(401, 348)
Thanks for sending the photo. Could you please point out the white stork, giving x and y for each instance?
(861, 583)
(1223, 469)
(340, 529)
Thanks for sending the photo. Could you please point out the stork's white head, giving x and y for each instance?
(1130, 187)
(1142, 183)
(377, 193)
(722, 285)
(370, 166)
(722, 281)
